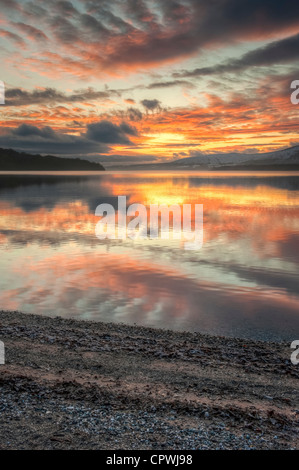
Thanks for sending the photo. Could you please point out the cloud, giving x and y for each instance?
(110, 37)
(21, 97)
(66, 8)
(151, 105)
(134, 114)
(25, 130)
(170, 83)
(93, 26)
(109, 133)
(46, 96)
(97, 139)
(277, 52)
(31, 31)
(10, 4)
(46, 141)
(13, 37)
(194, 24)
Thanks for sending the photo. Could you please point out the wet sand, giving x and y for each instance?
(70, 384)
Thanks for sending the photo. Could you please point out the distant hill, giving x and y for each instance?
(10, 160)
(280, 160)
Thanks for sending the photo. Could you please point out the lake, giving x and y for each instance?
(243, 281)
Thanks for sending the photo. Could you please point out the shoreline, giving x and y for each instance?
(76, 384)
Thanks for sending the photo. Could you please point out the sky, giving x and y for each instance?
(143, 81)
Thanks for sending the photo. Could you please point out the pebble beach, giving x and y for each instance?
(69, 384)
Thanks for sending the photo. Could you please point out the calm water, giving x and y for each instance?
(242, 282)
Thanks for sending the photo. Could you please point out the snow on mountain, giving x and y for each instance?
(286, 156)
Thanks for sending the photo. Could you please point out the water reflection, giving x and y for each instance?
(243, 282)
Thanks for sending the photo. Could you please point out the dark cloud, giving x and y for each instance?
(169, 84)
(66, 8)
(46, 141)
(151, 105)
(93, 26)
(142, 13)
(108, 36)
(194, 24)
(115, 23)
(25, 130)
(109, 133)
(31, 31)
(52, 96)
(9, 4)
(64, 30)
(68, 146)
(34, 11)
(97, 139)
(226, 20)
(128, 129)
(20, 97)
(277, 52)
(134, 114)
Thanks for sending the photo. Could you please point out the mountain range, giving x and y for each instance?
(283, 160)
(287, 159)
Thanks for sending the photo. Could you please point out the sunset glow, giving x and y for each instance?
(157, 80)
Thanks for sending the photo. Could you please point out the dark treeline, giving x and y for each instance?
(10, 160)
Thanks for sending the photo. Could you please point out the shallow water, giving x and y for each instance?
(242, 282)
